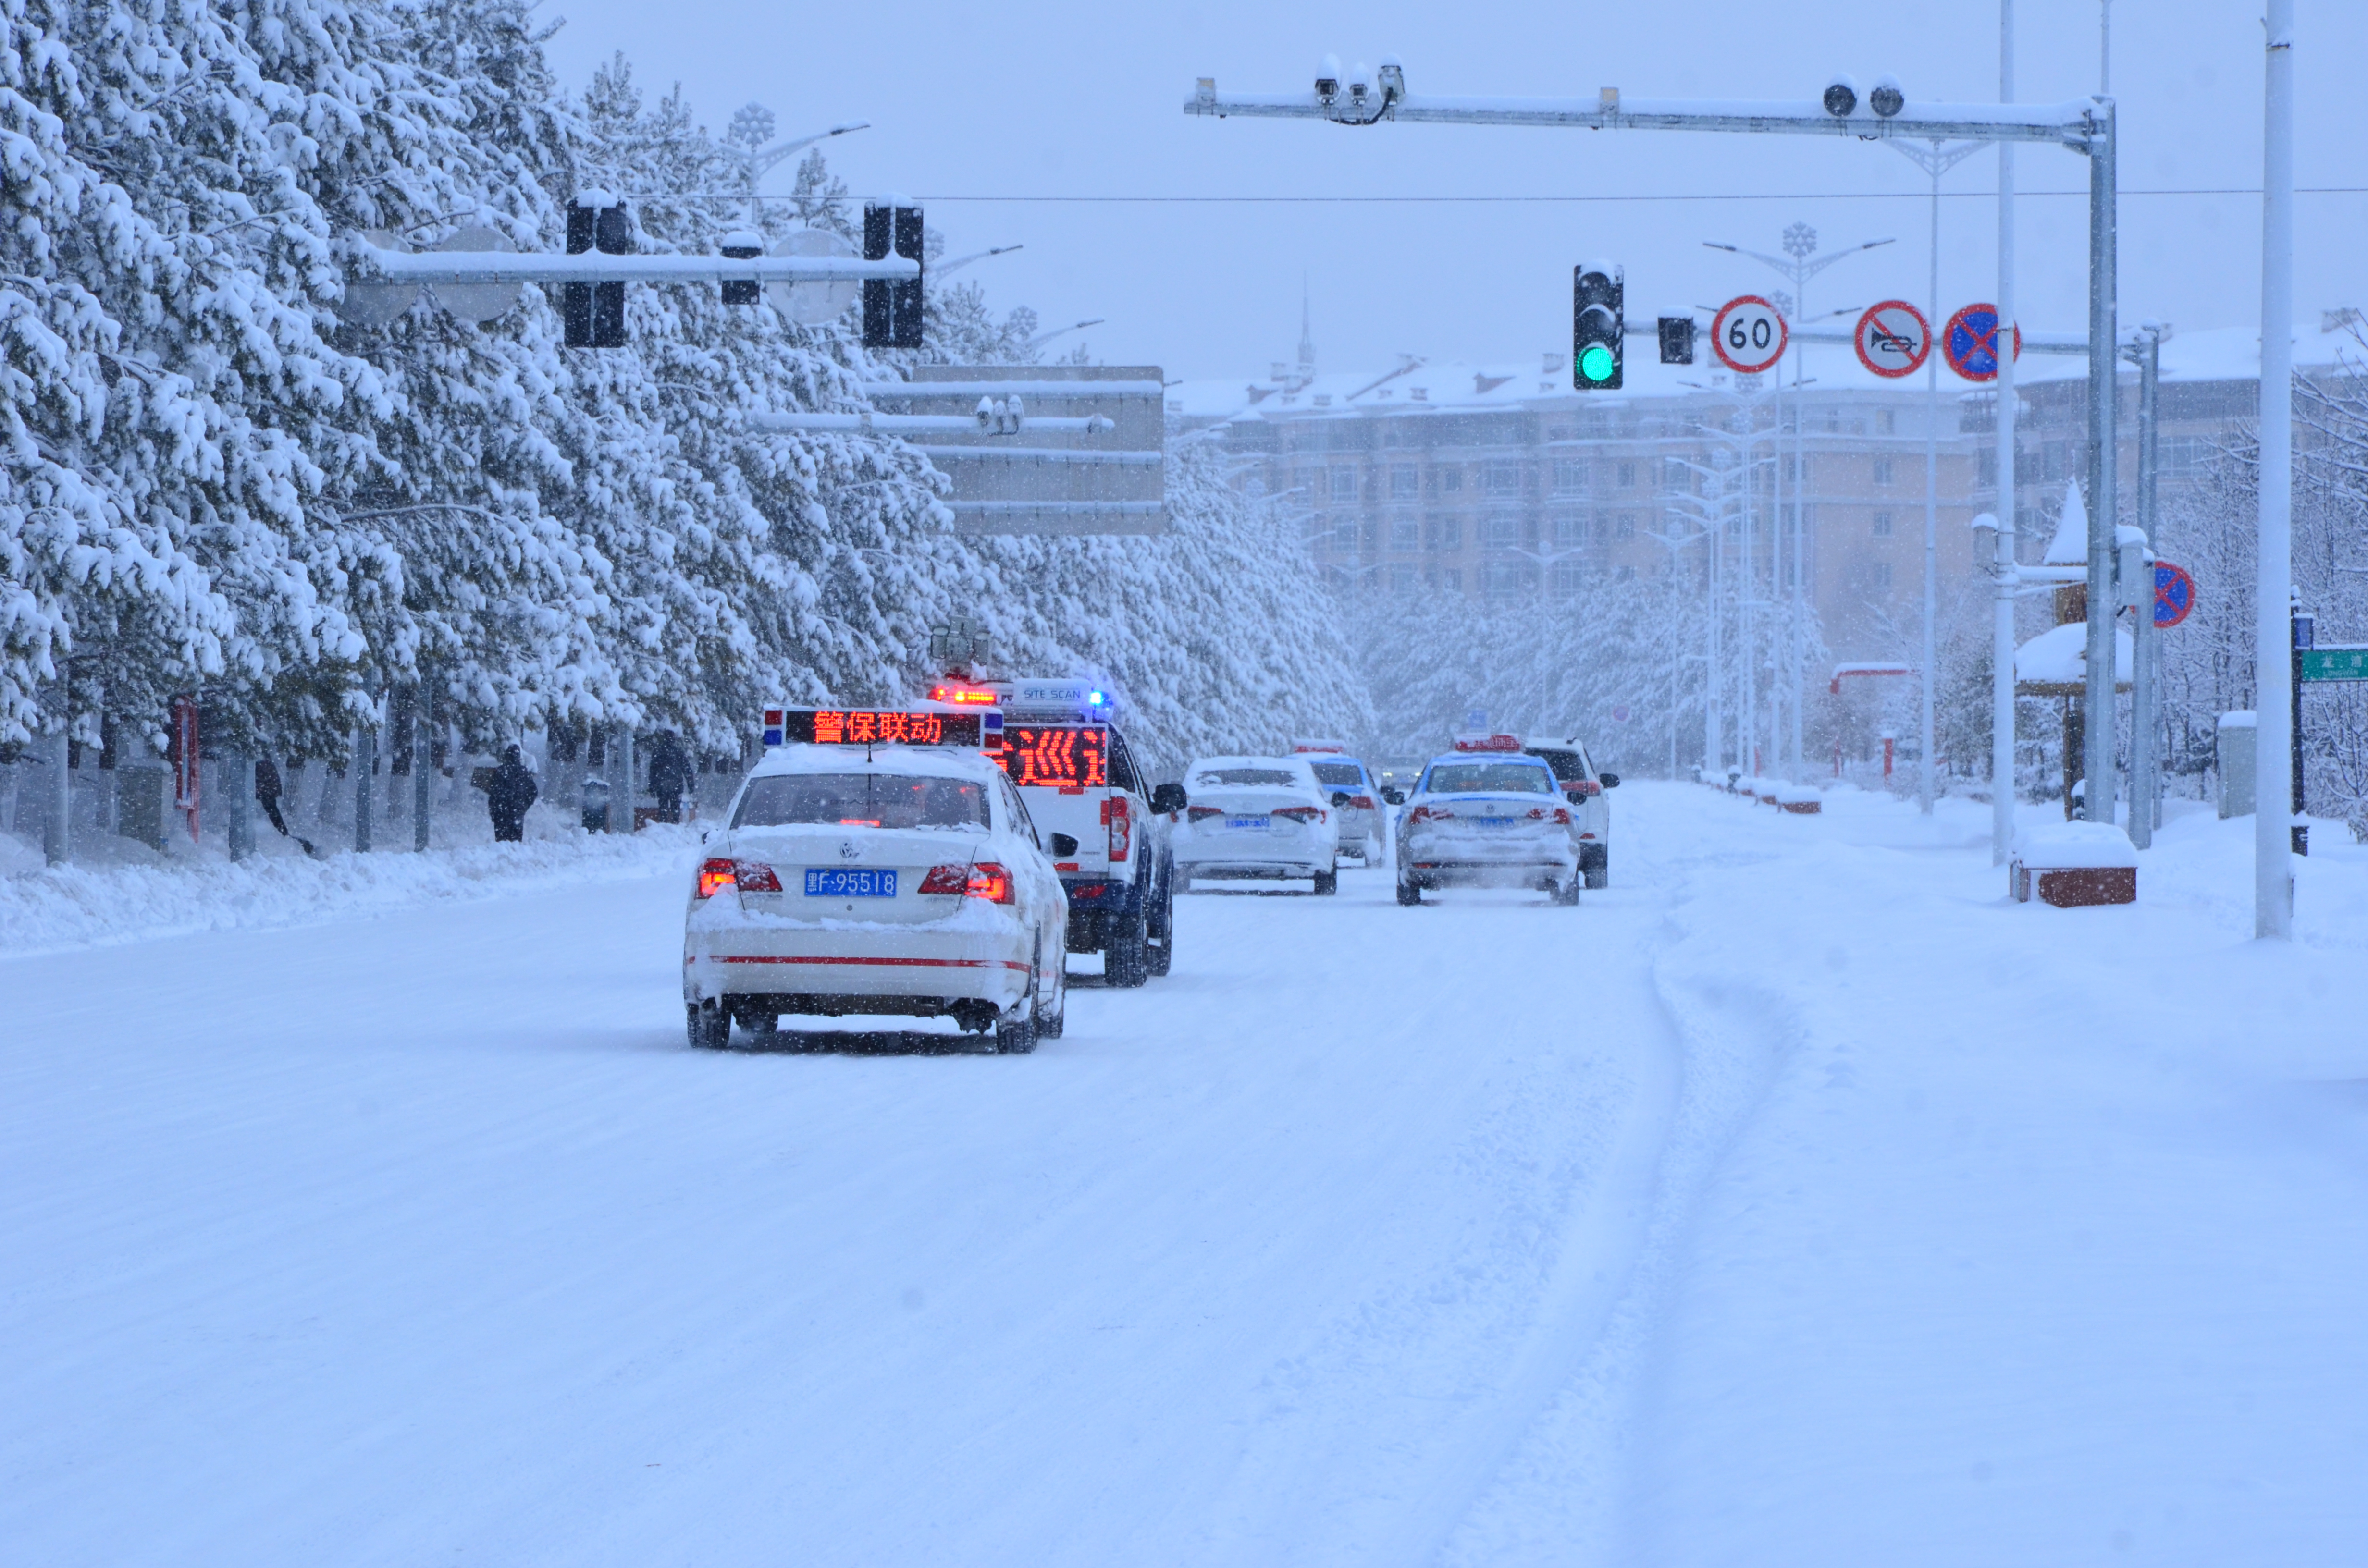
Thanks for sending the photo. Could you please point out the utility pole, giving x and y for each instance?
(2272, 587)
(2002, 622)
(2145, 642)
(2104, 469)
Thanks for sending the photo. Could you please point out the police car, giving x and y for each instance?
(1062, 749)
(877, 862)
(1363, 827)
(1488, 815)
(1258, 817)
(1574, 769)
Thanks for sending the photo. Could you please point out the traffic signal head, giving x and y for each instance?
(1599, 293)
(592, 316)
(892, 306)
(1677, 340)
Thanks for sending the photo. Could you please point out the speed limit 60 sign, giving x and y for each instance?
(1750, 334)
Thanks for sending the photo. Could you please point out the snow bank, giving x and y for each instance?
(2060, 655)
(2075, 846)
(74, 906)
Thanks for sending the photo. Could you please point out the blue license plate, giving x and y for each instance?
(838, 882)
(1495, 821)
(1247, 824)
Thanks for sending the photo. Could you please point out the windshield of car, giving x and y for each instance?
(1498, 777)
(1218, 778)
(862, 799)
(1346, 774)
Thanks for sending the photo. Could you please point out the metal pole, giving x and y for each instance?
(2272, 587)
(1932, 513)
(1713, 743)
(2104, 390)
(2302, 638)
(2002, 615)
(1747, 717)
(2146, 641)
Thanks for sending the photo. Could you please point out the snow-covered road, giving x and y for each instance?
(1485, 1232)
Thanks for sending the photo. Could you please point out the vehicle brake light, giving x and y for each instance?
(1089, 890)
(1561, 817)
(1201, 814)
(966, 696)
(713, 878)
(950, 881)
(754, 876)
(989, 881)
(1431, 813)
(1298, 814)
(1363, 803)
(1583, 787)
(1122, 827)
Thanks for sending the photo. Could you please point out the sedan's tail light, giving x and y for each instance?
(754, 876)
(1430, 814)
(1363, 803)
(1561, 816)
(1299, 814)
(1203, 813)
(1122, 828)
(986, 879)
(713, 878)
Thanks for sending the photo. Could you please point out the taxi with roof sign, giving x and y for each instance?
(1061, 744)
(1488, 815)
(878, 861)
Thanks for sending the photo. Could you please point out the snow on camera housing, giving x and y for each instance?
(1488, 815)
(877, 861)
(1060, 746)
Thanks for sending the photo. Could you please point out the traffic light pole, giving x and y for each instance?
(2087, 126)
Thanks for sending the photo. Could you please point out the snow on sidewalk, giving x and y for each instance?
(47, 909)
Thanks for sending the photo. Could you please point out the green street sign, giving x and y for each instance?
(2335, 664)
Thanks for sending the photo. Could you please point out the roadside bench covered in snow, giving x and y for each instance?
(2072, 864)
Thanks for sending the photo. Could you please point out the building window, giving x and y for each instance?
(1627, 475)
(1402, 578)
(1566, 578)
(1344, 536)
(1406, 483)
(1451, 579)
(1882, 525)
(1627, 528)
(1405, 533)
(1887, 421)
(1882, 471)
(1451, 533)
(1344, 484)
(1569, 532)
(1372, 535)
(1500, 579)
(1627, 574)
(1882, 570)
(1676, 474)
(1450, 479)
(1501, 532)
(1570, 476)
(1504, 479)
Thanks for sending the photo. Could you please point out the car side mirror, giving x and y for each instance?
(1340, 799)
(1395, 797)
(1064, 845)
(1166, 798)
(1609, 781)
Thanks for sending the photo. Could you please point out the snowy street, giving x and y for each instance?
(1796, 1200)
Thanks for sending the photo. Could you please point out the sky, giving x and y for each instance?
(1003, 117)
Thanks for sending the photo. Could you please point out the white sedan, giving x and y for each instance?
(1257, 817)
(1488, 817)
(906, 880)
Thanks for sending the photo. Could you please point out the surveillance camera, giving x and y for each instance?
(1887, 98)
(987, 416)
(1327, 78)
(1841, 98)
(1391, 75)
(1361, 83)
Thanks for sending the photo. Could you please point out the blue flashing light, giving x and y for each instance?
(1095, 697)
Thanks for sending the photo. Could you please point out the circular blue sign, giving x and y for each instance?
(2174, 593)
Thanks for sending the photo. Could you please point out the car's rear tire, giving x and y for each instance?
(1328, 883)
(1052, 1023)
(1126, 957)
(711, 1025)
(1409, 894)
(1567, 894)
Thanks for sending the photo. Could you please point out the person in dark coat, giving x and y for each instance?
(266, 792)
(671, 775)
(507, 795)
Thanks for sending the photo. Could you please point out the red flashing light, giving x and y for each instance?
(713, 878)
(1487, 743)
(965, 696)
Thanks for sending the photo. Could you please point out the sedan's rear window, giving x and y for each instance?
(1342, 773)
(861, 800)
(1499, 777)
(1218, 778)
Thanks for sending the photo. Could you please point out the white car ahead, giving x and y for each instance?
(888, 879)
(1487, 816)
(1257, 817)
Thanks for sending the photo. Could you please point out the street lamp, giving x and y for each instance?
(943, 267)
(1801, 245)
(762, 162)
(1042, 338)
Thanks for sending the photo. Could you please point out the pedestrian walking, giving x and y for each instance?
(508, 794)
(672, 775)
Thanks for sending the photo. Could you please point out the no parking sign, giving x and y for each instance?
(1970, 342)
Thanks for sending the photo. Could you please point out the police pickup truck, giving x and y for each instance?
(1078, 778)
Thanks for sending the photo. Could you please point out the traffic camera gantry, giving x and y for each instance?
(1364, 97)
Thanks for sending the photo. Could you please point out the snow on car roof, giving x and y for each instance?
(926, 762)
(1199, 763)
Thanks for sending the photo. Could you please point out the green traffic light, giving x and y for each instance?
(1595, 364)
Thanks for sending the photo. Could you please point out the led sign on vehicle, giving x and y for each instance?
(869, 726)
(1067, 759)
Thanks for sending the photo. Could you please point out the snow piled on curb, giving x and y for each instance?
(78, 907)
